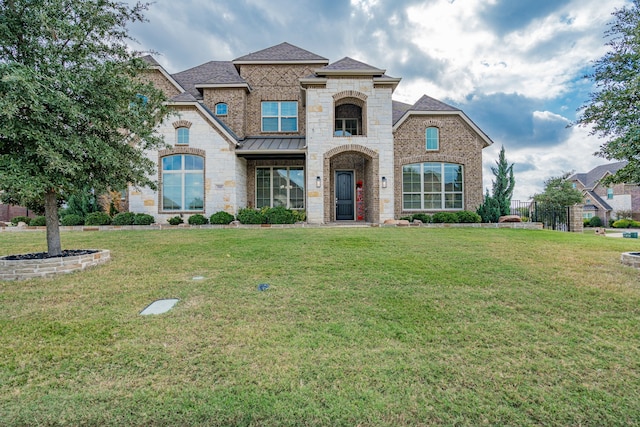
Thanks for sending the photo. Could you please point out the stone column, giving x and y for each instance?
(576, 224)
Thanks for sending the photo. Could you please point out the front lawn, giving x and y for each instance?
(359, 326)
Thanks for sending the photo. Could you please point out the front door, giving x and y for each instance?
(344, 196)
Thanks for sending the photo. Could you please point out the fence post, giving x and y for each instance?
(576, 224)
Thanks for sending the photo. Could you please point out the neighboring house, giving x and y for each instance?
(606, 201)
(285, 127)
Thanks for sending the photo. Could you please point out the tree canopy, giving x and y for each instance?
(74, 110)
(613, 110)
(558, 193)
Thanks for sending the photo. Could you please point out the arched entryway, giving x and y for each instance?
(353, 193)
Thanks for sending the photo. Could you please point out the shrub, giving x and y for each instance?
(97, 218)
(586, 222)
(299, 215)
(622, 223)
(124, 218)
(221, 217)
(425, 218)
(175, 220)
(17, 219)
(468, 217)
(143, 219)
(444, 217)
(280, 215)
(72, 219)
(198, 219)
(250, 216)
(39, 221)
(595, 221)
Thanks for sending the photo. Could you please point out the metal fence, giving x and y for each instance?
(553, 219)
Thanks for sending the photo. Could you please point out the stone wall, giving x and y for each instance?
(30, 269)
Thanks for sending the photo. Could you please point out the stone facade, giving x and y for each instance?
(372, 154)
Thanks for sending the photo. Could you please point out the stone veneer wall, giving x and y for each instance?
(30, 269)
(161, 82)
(458, 144)
(576, 223)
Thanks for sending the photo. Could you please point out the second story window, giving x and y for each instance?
(433, 139)
(222, 109)
(280, 116)
(182, 136)
(609, 193)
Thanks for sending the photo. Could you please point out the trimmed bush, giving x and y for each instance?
(17, 219)
(71, 220)
(622, 223)
(143, 219)
(198, 219)
(299, 215)
(279, 215)
(175, 220)
(468, 217)
(444, 217)
(221, 217)
(39, 221)
(250, 216)
(124, 218)
(585, 222)
(595, 221)
(98, 218)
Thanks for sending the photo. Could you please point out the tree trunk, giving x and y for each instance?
(54, 246)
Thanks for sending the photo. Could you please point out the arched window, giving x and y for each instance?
(182, 136)
(432, 186)
(183, 183)
(222, 109)
(432, 136)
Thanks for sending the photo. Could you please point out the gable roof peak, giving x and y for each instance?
(349, 65)
(427, 103)
(281, 53)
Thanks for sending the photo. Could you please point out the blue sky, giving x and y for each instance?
(515, 67)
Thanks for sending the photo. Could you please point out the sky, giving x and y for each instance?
(515, 67)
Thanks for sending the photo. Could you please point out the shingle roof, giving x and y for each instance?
(284, 52)
(426, 103)
(151, 60)
(350, 64)
(591, 178)
(399, 109)
(212, 72)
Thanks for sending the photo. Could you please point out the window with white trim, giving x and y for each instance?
(280, 116)
(432, 136)
(432, 186)
(280, 186)
(182, 136)
(183, 183)
(222, 109)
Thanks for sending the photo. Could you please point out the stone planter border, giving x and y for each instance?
(33, 268)
(632, 259)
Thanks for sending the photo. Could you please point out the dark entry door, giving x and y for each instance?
(344, 195)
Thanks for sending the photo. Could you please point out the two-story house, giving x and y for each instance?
(606, 201)
(285, 127)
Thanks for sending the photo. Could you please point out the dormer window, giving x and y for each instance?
(182, 136)
(221, 109)
(432, 136)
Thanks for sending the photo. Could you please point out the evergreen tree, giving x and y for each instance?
(74, 112)
(503, 184)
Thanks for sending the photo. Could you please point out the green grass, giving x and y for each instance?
(362, 326)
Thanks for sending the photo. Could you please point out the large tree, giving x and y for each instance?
(613, 108)
(74, 110)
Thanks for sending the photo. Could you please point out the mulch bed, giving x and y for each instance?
(45, 255)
